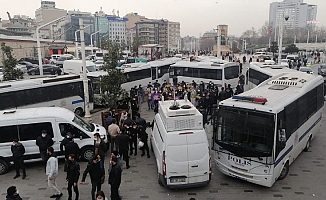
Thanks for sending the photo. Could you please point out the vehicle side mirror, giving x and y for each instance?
(282, 136)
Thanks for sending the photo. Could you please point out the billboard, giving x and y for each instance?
(145, 52)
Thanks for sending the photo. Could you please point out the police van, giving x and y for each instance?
(27, 124)
(180, 145)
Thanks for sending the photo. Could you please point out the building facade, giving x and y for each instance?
(147, 31)
(133, 18)
(174, 38)
(117, 29)
(300, 14)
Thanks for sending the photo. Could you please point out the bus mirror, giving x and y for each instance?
(282, 136)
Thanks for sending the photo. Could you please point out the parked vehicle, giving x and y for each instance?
(292, 57)
(75, 67)
(34, 60)
(99, 64)
(47, 69)
(22, 68)
(27, 125)
(28, 65)
(322, 70)
(1, 73)
(63, 58)
(308, 70)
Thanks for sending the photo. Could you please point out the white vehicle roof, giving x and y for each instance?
(271, 69)
(97, 73)
(279, 91)
(164, 61)
(42, 112)
(88, 63)
(203, 64)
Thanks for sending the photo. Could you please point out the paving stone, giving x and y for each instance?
(144, 197)
(248, 191)
(306, 170)
(277, 195)
(192, 193)
(287, 188)
(42, 189)
(293, 174)
(299, 193)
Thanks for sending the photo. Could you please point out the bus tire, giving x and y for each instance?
(4, 167)
(307, 145)
(79, 111)
(285, 171)
(87, 153)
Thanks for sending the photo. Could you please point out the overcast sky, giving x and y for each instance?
(196, 16)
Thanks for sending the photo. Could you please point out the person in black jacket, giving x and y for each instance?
(143, 136)
(133, 133)
(65, 141)
(140, 121)
(12, 194)
(115, 179)
(73, 173)
(100, 148)
(123, 141)
(96, 172)
(222, 95)
(18, 151)
(72, 148)
(43, 142)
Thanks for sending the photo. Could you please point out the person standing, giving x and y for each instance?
(52, 172)
(229, 91)
(72, 148)
(73, 173)
(133, 133)
(123, 141)
(18, 151)
(43, 142)
(114, 130)
(222, 95)
(96, 173)
(12, 194)
(100, 148)
(143, 136)
(63, 144)
(115, 179)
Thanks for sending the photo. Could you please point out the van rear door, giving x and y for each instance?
(176, 159)
(198, 156)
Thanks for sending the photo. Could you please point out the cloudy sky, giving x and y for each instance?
(196, 16)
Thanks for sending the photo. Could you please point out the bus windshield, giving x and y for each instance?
(245, 133)
(82, 123)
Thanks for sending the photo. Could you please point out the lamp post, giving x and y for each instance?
(92, 37)
(281, 37)
(39, 43)
(101, 39)
(76, 42)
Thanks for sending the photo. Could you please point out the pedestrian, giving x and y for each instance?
(43, 142)
(123, 141)
(18, 151)
(52, 172)
(72, 148)
(133, 133)
(73, 173)
(96, 173)
(222, 95)
(13, 194)
(143, 137)
(115, 179)
(114, 130)
(141, 121)
(100, 148)
(229, 91)
(117, 155)
(63, 144)
(101, 196)
(108, 120)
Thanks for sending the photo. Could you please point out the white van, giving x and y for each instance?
(292, 57)
(76, 67)
(257, 54)
(180, 146)
(27, 124)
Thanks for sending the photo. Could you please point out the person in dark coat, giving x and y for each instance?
(96, 174)
(73, 173)
(12, 194)
(123, 141)
(229, 91)
(143, 136)
(18, 151)
(65, 141)
(72, 148)
(115, 179)
(133, 133)
(140, 121)
(128, 121)
(222, 95)
(43, 142)
(100, 148)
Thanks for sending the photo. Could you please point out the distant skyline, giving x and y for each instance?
(195, 17)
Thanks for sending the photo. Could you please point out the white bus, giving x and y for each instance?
(65, 91)
(258, 134)
(258, 72)
(220, 72)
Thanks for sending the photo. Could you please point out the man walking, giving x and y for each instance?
(18, 151)
(114, 130)
(43, 142)
(143, 136)
(115, 179)
(73, 172)
(123, 141)
(96, 174)
(100, 148)
(52, 172)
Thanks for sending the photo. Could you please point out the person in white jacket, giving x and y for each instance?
(52, 172)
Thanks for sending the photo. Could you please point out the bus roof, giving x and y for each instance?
(203, 64)
(270, 69)
(279, 91)
(42, 112)
(164, 61)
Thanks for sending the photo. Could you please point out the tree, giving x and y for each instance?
(111, 83)
(292, 48)
(135, 43)
(10, 72)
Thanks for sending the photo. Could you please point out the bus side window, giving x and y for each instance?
(281, 123)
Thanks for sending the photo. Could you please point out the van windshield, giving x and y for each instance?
(82, 123)
(91, 68)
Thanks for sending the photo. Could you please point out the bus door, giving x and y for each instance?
(154, 73)
(171, 74)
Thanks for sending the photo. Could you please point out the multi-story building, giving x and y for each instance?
(300, 14)
(130, 37)
(174, 38)
(147, 31)
(117, 29)
(133, 18)
(163, 32)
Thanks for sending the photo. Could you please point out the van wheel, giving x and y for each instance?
(4, 167)
(307, 145)
(87, 154)
(159, 180)
(79, 111)
(284, 171)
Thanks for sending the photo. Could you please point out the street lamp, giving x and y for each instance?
(286, 17)
(76, 42)
(39, 43)
(92, 37)
(101, 39)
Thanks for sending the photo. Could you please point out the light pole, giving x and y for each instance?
(39, 43)
(92, 37)
(76, 42)
(281, 38)
(101, 39)
(85, 80)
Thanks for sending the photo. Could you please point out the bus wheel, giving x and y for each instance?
(4, 167)
(285, 171)
(307, 145)
(87, 154)
(79, 111)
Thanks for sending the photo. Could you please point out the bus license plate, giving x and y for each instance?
(177, 180)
